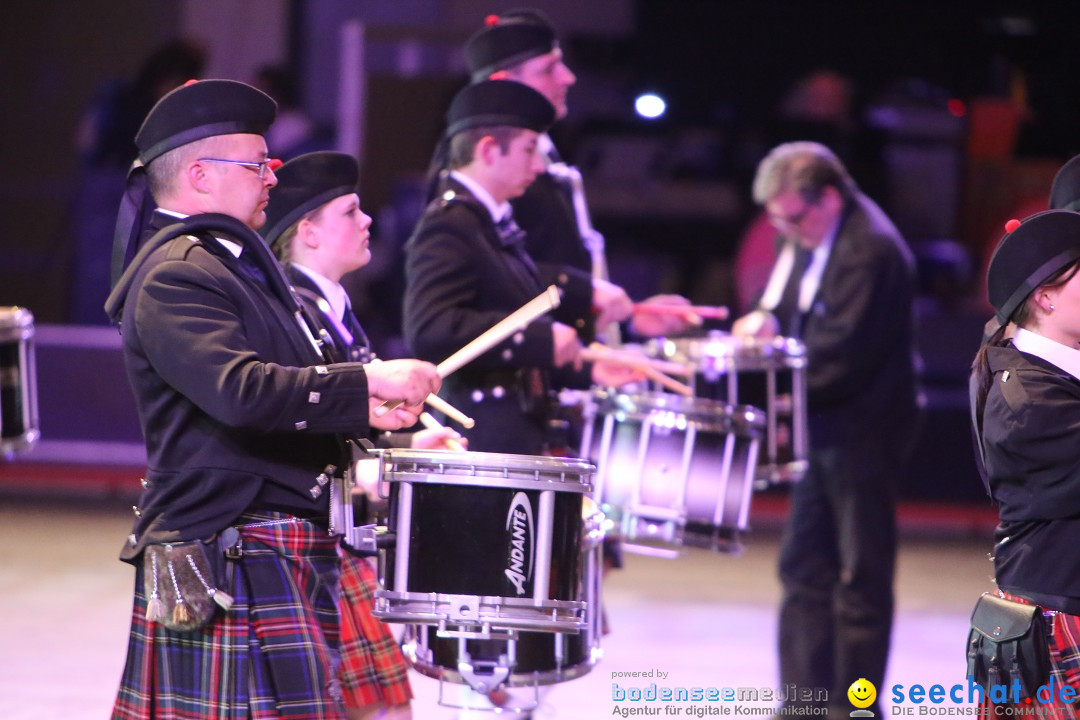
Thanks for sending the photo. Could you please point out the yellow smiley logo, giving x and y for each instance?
(862, 693)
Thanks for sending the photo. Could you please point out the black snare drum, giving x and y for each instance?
(18, 381)
(483, 539)
(673, 470)
(766, 374)
(512, 658)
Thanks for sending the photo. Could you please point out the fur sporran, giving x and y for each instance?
(184, 582)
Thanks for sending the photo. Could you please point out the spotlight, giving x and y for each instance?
(650, 106)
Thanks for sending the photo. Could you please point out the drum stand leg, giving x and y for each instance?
(487, 678)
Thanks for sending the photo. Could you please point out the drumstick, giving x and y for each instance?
(599, 352)
(429, 421)
(717, 312)
(539, 305)
(670, 383)
(450, 411)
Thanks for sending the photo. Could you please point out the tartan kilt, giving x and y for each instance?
(272, 655)
(1064, 648)
(373, 668)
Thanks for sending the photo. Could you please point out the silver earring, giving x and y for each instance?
(1051, 307)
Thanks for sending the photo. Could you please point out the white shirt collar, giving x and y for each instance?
(1062, 356)
(545, 146)
(334, 292)
(498, 210)
(232, 247)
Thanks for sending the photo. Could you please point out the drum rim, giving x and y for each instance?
(421, 476)
(14, 317)
(781, 351)
(704, 412)
(439, 456)
(567, 616)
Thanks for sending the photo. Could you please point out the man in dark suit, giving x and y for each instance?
(844, 283)
(467, 268)
(243, 424)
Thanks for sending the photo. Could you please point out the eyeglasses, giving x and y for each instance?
(258, 167)
(793, 221)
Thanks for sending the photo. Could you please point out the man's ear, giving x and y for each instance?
(831, 199)
(486, 150)
(198, 176)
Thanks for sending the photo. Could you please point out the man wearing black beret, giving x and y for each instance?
(467, 268)
(235, 610)
(523, 46)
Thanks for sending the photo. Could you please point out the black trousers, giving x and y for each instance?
(837, 563)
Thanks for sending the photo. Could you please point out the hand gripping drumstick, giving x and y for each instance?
(599, 353)
(429, 421)
(543, 303)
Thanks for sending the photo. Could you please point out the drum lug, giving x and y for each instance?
(462, 608)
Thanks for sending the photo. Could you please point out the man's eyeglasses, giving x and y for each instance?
(780, 222)
(259, 167)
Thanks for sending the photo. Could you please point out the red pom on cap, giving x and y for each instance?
(274, 164)
(1012, 225)
(192, 81)
(491, 20)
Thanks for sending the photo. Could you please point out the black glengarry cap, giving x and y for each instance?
(508, 39)
(202, 109)
(499, 103)
(305, 183)
(1028, 255)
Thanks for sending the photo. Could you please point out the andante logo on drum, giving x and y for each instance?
(519, 523)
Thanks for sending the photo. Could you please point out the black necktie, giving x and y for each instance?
(787, 310)
(512, 237)
(360, 349)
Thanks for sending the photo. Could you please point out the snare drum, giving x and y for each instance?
(483, 540)
(516, 659)
(767, 374)
(673, 470)
(18, 381)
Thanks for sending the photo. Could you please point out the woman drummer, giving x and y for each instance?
(1027, 414)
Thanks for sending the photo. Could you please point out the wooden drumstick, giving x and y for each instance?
(450, 411)
(541, 304)
(670, 383)
(596, 352)
(429, 421)
(538, 306)
(712, 312)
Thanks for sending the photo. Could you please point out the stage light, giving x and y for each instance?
(650, 106)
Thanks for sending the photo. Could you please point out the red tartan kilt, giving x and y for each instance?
(1064, 649)
(372, 666)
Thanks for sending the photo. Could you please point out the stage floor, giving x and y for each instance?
(704, 619)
